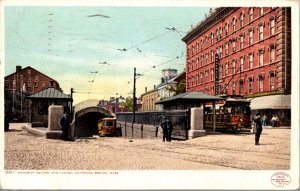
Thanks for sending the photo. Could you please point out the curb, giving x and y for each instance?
(34, 131)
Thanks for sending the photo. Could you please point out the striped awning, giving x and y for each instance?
(271, 102)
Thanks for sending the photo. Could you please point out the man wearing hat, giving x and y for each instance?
(167, 128)
(257, 121)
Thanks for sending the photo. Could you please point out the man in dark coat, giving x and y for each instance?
(167, 128)
(64, 123)
(258, 125)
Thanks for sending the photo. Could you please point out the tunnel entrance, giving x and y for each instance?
(86, 121)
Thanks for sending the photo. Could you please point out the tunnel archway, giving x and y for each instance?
(86, 121)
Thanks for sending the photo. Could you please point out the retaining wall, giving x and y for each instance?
(138, 130)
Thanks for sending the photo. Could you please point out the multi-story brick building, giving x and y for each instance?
(242, 51)
(22, 83)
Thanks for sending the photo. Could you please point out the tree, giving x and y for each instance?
(128, 103)
(179, 89)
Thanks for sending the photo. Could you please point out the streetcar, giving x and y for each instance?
(107, 126)
(232, 115)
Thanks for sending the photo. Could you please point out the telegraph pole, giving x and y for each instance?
(134, 96)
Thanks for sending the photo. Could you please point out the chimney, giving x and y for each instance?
(18, 68)
(145, 89)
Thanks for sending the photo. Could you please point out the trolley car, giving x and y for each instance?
(233, 115)
(107, 126)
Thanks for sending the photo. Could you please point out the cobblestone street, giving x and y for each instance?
(24, 151)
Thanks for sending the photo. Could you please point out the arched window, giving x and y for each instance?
(251, 10)
(226, 29)
(242, 20)
(233, 24)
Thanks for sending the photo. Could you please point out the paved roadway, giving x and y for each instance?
(24, 151)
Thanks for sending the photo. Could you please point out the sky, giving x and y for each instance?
(82, 47)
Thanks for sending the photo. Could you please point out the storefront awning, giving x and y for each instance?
(271, 102)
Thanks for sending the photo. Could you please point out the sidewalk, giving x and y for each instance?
(280, 127)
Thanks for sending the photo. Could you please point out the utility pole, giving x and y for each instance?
(71, 105)
(134, 96)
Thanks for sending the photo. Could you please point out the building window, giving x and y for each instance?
(201, 44)
(226, 88)
(206, 75)
(272, 81)
(217, 34)
(29, 84)
(251, 37)
(261, 11)
(36, 78)
(250, 85)
(241, 41)
(241, 87)
(241, 64)
(201, 60)
(14, 84)
(272, 26)
(36, 84)
(220, 33)
(261, 32)
(251, 14)
(260, 83)
(192, 50)
(43, 84)
(212, 74)
(261, 57)
(197, 47)
(226, 69)
(226, 29)
(226, 48)
(212, 38)
(220, 71)
(242, 20)
(233, 67)
(272, 53)
(233, 88)
(250, 61)
(206, 58)
(201, 78)
(220, 51)
(206, 40)
(212, 56)
(233, 45)
(29, 72)
(233, 24)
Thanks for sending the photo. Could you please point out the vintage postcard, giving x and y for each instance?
(171, 94)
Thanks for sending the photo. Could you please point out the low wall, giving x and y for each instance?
(138, 130)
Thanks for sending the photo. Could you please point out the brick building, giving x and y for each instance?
(169, 81)
(243, 51)
(22, 83)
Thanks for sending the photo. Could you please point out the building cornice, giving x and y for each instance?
(211, 20)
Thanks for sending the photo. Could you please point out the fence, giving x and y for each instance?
(179, 119)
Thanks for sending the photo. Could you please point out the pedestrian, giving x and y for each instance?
(273, 120)
(167, 128)
(264, 120)
(64, 123)
(277, 124)
(258, 125)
